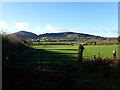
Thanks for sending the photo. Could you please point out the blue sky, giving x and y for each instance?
(97, 18)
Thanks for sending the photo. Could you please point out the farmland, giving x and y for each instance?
(89, 51)
(56, 66)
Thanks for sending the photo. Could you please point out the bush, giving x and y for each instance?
(11, 47)
(104, 68)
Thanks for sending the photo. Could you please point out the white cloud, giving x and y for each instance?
(50, 29)
(74, 30)
(4, 27)
(54, 29)
(15, 27)
(40, 30)
(21, 26)
(2, 24)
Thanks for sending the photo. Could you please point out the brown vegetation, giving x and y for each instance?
(11, 47)
(103, 67)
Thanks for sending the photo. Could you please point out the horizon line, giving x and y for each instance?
(66, 32)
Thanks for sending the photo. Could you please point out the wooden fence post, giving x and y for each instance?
(99, 55)
(80, 53)
(114, 54)
(94, 57)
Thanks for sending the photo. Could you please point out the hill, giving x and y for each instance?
(69, 36)
(25, 34)
(63, 36)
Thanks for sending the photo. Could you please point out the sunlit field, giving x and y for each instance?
(103, 51)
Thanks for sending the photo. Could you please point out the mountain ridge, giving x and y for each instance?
(30, 35)
(25, 34)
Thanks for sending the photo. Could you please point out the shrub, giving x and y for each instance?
(11, 47)
(104, 68)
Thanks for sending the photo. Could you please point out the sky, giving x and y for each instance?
(96, 18)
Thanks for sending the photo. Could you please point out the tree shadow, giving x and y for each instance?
(36, 68)
(43, 59)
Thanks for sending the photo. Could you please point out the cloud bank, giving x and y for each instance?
(51, 29)
(4, 27)
(15, 27)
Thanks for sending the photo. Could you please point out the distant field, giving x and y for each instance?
(104, 50)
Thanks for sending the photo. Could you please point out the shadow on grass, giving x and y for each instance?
(42, 59)
(36, 68)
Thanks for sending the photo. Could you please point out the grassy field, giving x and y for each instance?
(35, 68)
(89, 51)
(49, 56)
(44, 67)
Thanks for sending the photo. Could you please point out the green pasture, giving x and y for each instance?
(41, 70)
(104, 50)
(55, 55)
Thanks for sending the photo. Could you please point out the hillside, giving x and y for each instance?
(24, 34)
(67, 34)
(60, 37)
